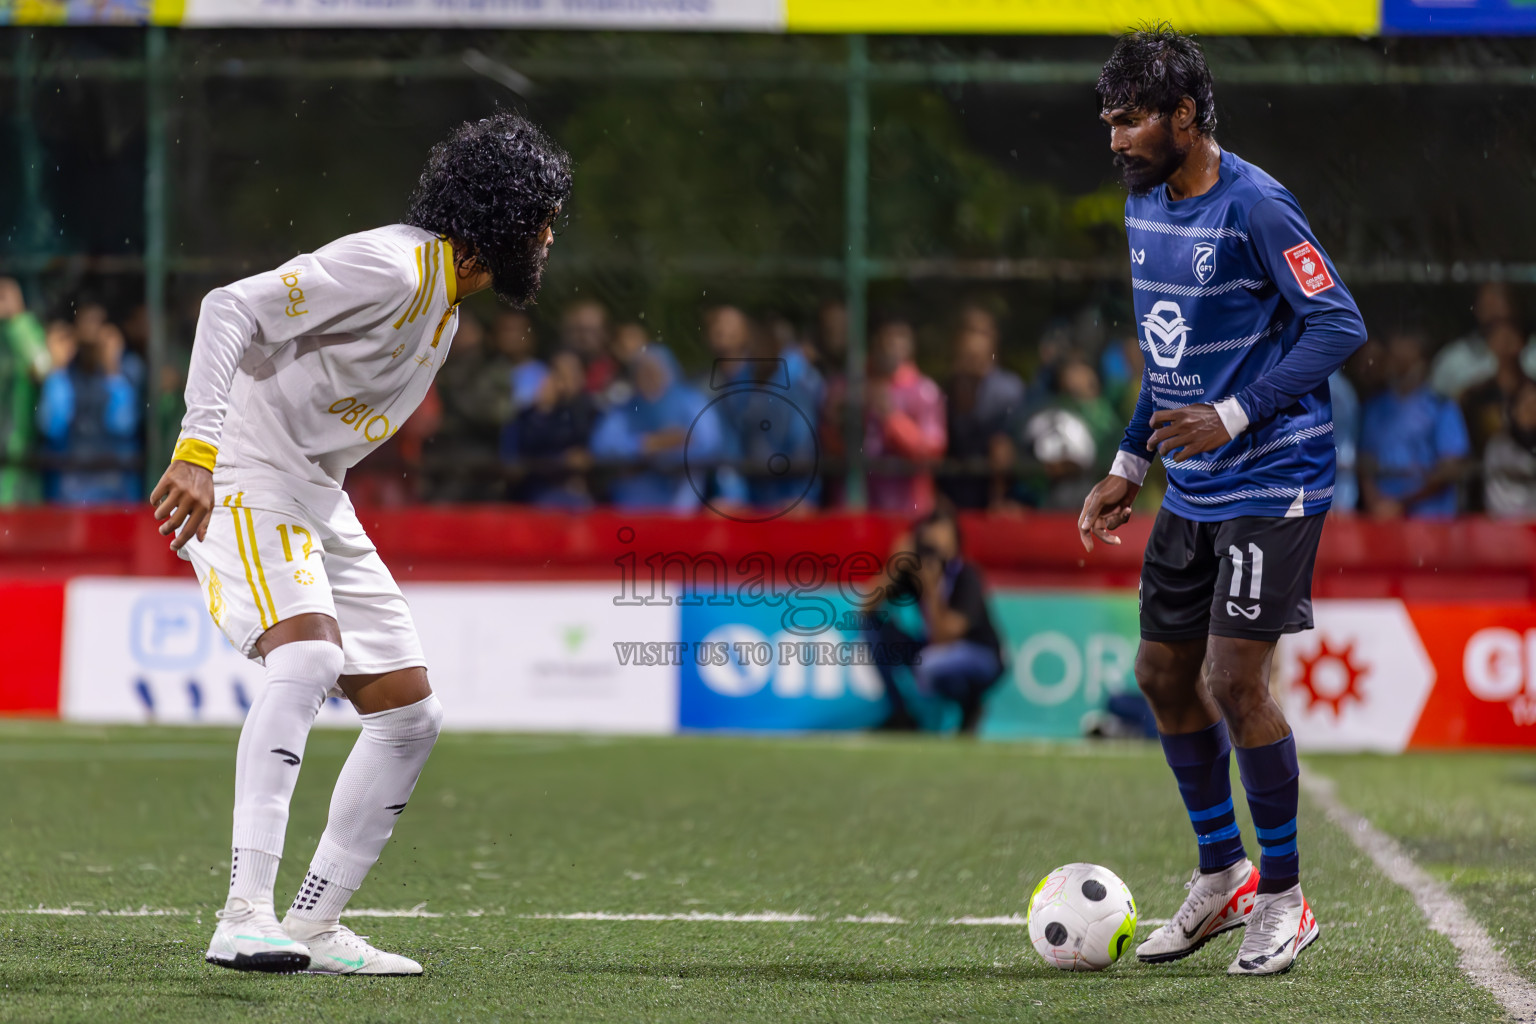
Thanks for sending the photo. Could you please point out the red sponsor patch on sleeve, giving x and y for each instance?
(1308, 266)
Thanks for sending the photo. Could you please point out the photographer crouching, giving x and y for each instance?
(958, 657)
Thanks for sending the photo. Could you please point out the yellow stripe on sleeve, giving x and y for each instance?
(437, 266)
(245, 561)
(438, 334)
(421, 280)
(450, 274)
(199, 453)
(250, 529)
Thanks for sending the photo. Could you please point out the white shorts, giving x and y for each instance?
(258, 567)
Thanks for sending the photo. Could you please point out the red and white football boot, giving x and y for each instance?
(1216, 903)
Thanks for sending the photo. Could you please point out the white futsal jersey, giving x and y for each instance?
(296, 375)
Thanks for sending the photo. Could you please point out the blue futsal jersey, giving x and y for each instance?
(1236, 300)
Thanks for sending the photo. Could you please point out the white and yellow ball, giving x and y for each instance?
(1081, 917)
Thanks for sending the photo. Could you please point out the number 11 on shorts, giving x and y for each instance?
(1255, 570)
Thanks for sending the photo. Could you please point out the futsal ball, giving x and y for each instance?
(1056, 436)
(1081, 917)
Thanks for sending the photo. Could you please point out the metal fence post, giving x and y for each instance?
(36, 223)
(154, 240)
(856, 263)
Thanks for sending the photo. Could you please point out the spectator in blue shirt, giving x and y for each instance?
(768, 398)
(89, 412)
(514, 351)
(1413, 441)
(549, 437)
(651, 430)
(1346, 441)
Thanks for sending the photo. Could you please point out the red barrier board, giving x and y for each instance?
(1385, 675)
(1485, 665)
(1478, 561)
(32, 635)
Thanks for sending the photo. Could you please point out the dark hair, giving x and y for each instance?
(491, 186)
(1153, 69)
(943, 511)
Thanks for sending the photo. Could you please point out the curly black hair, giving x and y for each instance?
(1154, 68)
(491, 187)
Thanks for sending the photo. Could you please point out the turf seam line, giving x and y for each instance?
(1480, 959)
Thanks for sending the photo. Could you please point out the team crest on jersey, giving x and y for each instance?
(1166, 333)
(1204, 262)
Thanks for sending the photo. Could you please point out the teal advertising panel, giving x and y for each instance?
(1066, 653)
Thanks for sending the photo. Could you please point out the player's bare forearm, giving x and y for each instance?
(183, 501)
(1106, 509)
(1191, 430)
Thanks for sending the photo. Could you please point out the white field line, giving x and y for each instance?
(81, 912)
(1480, 958)
(770, 917)
(761, 917)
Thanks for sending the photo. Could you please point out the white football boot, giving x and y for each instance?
(1281, 926)
(337, 949)
(1216, 903)
(249, 938)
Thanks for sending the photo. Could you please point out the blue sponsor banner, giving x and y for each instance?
(1458, 17)
(761, 668)
(764, 668)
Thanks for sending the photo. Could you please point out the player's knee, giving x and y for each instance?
(1236, 692)
(311, 665)
(1160, 682)
(432, 717)
(413, 724)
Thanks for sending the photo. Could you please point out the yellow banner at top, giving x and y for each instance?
(1087, 17)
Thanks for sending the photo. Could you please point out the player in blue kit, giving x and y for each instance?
(1242, 318)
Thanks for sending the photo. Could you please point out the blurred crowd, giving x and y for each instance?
(75, 403)
(603, 412)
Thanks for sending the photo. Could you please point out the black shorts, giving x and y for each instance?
(1249, 577)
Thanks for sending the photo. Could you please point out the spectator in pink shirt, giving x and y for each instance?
(903, 419)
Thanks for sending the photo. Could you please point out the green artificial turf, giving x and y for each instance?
(1467, 819)
(505, 827)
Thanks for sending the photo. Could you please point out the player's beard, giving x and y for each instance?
(516, 277)
(1142, 175)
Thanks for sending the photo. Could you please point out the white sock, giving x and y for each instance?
(372, 790)
(268, 758)
(252, 874)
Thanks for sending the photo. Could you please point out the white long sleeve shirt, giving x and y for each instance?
(299, 372)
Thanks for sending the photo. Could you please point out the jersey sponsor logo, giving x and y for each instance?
(1138, 256)
(1166, 333)
(1204, 262)
(295, 293)
(1308, 266)
(355, 414)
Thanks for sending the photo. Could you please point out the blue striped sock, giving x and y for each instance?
(1271, 777)
(1201, 762)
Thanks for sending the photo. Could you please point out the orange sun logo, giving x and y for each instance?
(1331, 676)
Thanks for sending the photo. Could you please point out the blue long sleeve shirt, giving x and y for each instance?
(1235, 299)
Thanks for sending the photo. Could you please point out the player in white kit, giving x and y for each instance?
(296, 375)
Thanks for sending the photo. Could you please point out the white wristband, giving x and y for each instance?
(1232, 415)
(1130, 467)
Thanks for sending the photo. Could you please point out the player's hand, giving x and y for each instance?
(1107, 508)
(1194, 429)
(183, 499)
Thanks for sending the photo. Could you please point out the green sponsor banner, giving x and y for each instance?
(1066, 653)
